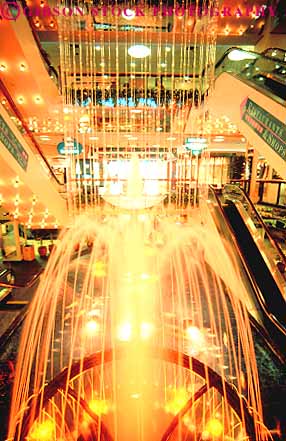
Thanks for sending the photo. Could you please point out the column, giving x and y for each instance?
(253, 191)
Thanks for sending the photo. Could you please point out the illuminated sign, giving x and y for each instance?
(70, 147)
(265, 125)
(195, 141)
(195, 145)
(12, 144)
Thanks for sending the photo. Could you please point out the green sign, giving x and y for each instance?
(265, 125)
(12, 144)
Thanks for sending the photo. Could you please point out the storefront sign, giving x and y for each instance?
(71, 147)
(266, 126)
(12, 144)
(195, 145)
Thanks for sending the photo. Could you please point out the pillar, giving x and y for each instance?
(253, 190)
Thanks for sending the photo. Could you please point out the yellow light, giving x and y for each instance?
(21, 100)
(99, 407)
(3, 67)
(180, 398)
(146, 330)
(196, 339)
(16, 182)
(193, 333)
(92, 327)
(124, 332)
(189, 423)
(147, 277)
(43, 431)
(38, 99)
(99, 269)
(214, 427)
(23, 67)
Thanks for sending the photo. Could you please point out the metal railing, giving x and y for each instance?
(24, 285)
(233, 191)
(271, 324)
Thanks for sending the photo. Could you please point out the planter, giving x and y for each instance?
(28, 252)
(42, 250)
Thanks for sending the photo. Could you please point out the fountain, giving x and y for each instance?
(137, 338)
(144, 334)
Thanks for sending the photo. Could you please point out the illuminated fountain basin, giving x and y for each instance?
(135, 198)
(135, 338)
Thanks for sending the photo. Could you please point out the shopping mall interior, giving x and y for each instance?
(143, 220)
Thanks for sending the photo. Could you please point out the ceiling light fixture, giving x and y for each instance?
(139, 51)
(23, 67)
(238, 55)
(38, 99)
(3, 67)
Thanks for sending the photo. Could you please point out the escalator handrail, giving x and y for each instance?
(261, 331)
(251, 278)
(24, 285)
(259, 55)
(273, 49)
(264, 226)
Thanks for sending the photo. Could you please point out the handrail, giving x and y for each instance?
(271, 181)
(274, 49)
(26, 128)
(264, 226)
(259, 55)
(25, 285)
(258, 295)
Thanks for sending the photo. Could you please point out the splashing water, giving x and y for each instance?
(135, 337)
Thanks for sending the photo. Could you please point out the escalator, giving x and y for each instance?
(250, 89)
(255, 251)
